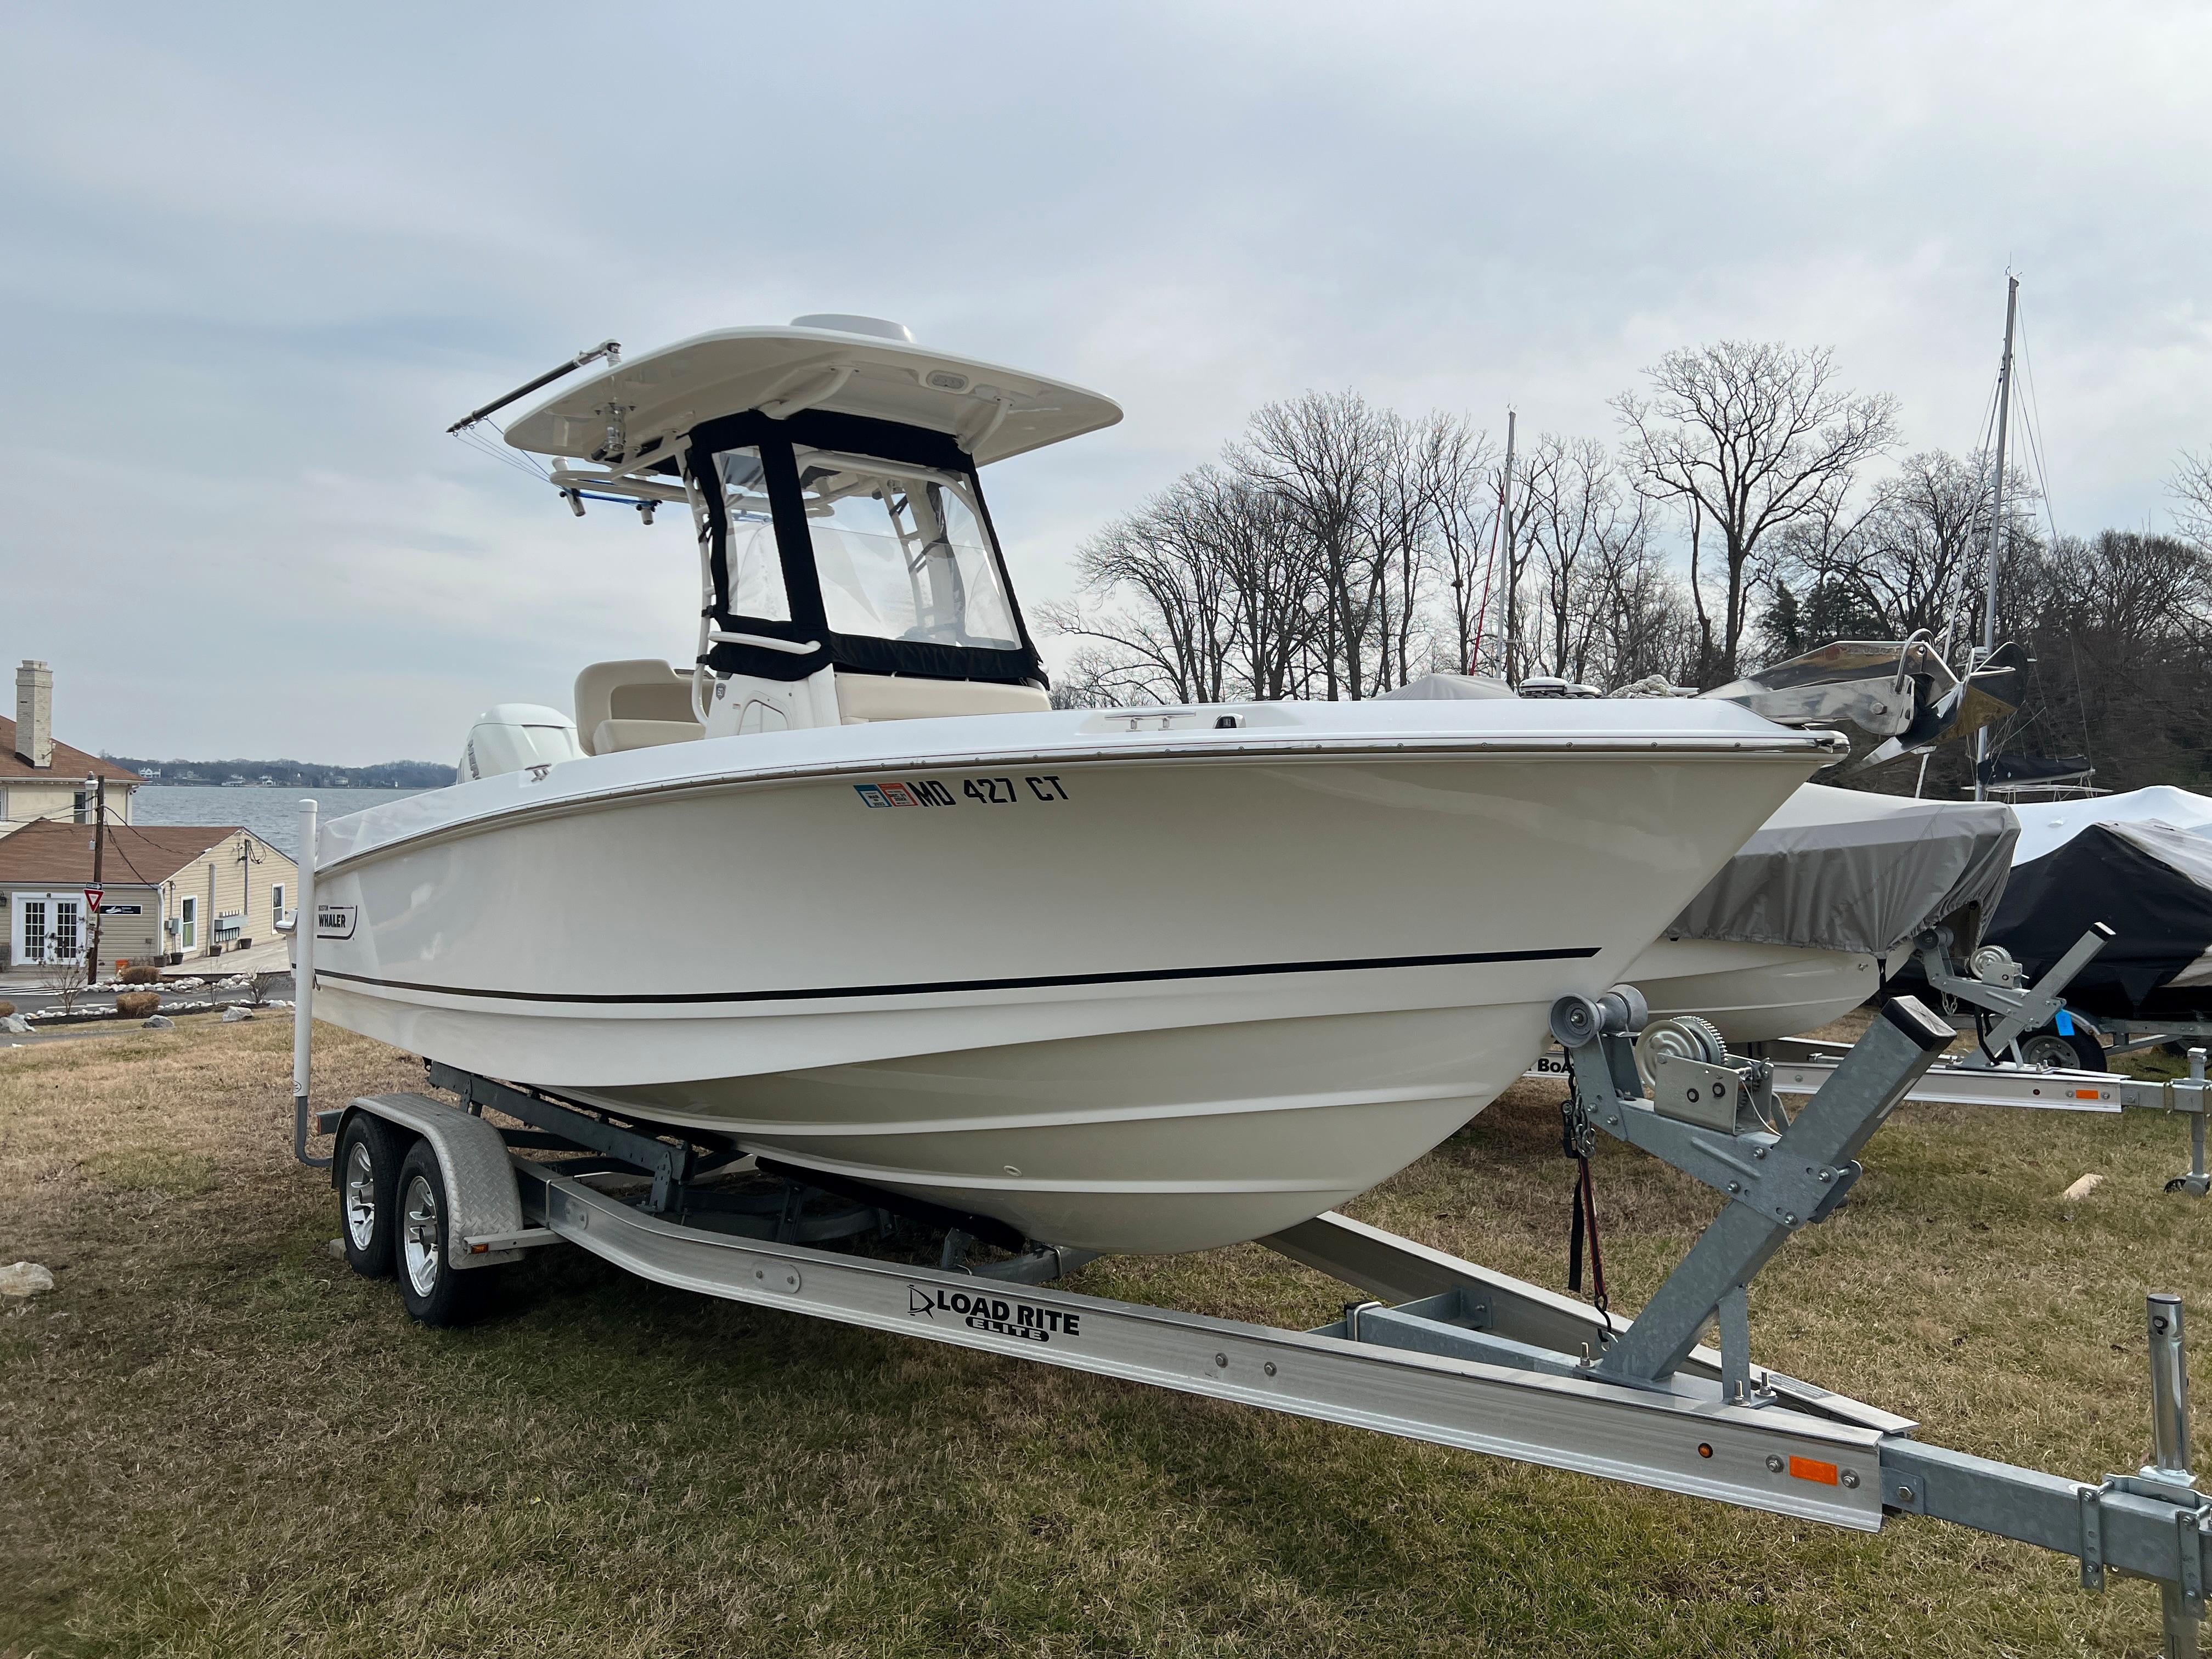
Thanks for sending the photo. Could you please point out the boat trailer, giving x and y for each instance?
(1438, 1349)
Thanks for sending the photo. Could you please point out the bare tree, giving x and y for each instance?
(1747, 437)
(1579, 517)
(2191, 486)
(1174, 643)
(1912, 558)
(1464, 486)
(1321, 454)
(1401, 525)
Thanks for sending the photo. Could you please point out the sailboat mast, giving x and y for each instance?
(1505, 518)
(1996, 526)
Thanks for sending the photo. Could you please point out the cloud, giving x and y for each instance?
(258, 262)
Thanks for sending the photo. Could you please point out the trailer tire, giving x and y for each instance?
(368, 1169)
(2080, 1051)
(431, 1289)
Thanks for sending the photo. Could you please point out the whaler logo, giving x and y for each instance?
(335, 920)
(1006, 1316)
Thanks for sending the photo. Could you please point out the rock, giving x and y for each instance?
(2081, 1189)
(25, 1278)
(161, 1022)
(335, 1249)
(15, 1025)
(233, 1014)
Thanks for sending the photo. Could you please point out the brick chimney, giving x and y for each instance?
(34, 713)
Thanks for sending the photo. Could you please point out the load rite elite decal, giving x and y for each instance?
(1006, 1314)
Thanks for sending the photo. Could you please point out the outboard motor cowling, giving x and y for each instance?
(514, 737)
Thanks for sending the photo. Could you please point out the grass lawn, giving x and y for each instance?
(215, 1440)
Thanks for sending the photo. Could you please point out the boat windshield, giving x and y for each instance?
(756, 587)
(901, 552)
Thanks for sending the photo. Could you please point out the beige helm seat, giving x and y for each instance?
(634, 705)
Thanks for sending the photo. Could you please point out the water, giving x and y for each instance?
(271, 814)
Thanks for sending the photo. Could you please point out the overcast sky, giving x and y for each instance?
(255, 260)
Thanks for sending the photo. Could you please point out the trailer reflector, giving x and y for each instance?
(1812, 1468)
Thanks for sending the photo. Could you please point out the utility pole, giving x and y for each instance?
(1996, 528)
(96, 791)
(1505, 509)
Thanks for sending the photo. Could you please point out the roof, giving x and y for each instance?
(993, 411)
(68, 763)
(50, 851)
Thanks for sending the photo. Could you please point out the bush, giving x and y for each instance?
(6, 1008)
(140, 975)
(136, 1005)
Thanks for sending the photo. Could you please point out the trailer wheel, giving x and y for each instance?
(2048, 1047)
(368, 1182)
(431, 1290)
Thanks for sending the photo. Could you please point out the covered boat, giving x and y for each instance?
(2139, 862)
(1805, 922)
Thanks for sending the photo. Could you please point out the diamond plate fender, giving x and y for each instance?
(480, 1190)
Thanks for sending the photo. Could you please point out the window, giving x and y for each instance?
(81, 806)
(901, 552)
(756, 587)
(276, 901)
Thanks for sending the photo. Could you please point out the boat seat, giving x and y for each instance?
(862, 698)
(613, 737)
(644, 691)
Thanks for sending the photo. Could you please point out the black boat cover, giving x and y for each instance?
(1844, 870)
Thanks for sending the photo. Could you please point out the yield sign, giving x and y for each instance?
(92, 898)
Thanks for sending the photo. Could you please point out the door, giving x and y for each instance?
(48, 929)
(188, 923)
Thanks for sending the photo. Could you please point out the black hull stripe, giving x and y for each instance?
(1040, 982)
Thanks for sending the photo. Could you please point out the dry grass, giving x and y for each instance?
(213, 1440)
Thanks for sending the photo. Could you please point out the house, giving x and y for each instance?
(40, 778)
(167, 892)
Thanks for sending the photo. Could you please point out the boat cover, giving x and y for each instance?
(2045, 826)
(1842, 869)
(1435, 688)
(2141, 864)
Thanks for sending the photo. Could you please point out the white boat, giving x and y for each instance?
(852, 895)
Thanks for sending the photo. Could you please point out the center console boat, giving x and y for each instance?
(849, 894)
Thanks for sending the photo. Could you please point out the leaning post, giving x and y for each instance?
(303, 986)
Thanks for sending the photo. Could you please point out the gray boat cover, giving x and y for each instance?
(1842, 870)
(1439, 687)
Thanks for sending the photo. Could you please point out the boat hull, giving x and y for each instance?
(1752, 993)
(1124, 1000)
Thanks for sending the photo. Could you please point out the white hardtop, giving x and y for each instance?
(993, 411)
(1345, 731)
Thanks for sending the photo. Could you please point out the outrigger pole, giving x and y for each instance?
(609, 349)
